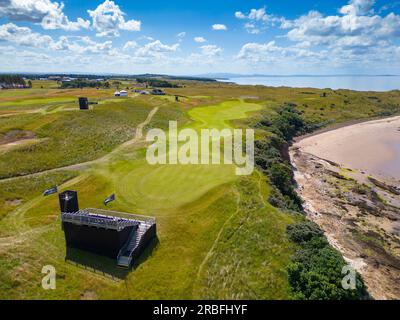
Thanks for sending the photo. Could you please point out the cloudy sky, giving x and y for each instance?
(196, 37)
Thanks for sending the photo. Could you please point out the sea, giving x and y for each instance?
(357, 82)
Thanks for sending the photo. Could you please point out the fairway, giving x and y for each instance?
(218, 236)
(191, 203)
(163, 187)
(153, 151)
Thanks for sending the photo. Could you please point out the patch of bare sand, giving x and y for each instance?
(373, 147)
(19, 144)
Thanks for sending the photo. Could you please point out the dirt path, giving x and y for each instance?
(78, 166)
(210, 252)
(21, 231)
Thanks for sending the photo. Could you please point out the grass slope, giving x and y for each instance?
(191, 215)
(217, 235)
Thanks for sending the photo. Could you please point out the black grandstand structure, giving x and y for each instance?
(83, 103)
(120, 236)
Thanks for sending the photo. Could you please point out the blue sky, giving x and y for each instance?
(196, 37)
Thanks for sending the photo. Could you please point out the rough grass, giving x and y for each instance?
(26, 188)
(190, 217)
(71, 137)
(217, 235)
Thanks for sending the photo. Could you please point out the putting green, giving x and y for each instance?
(218, 116)
(150, 188)
(165, 187)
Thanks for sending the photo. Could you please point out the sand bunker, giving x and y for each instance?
(15, 139)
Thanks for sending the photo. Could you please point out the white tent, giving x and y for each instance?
(123, 93)
(117, 93)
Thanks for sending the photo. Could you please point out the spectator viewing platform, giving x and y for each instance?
(117, 235)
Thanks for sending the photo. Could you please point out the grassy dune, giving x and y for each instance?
(218, 237)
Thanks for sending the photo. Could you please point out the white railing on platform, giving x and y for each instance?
(85, 217)
(130, 216)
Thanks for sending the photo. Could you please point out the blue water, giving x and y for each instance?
(359, 83)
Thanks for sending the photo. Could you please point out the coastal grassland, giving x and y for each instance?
(248, 258)
(195, 207)
(70, 137)
(317, 105)
(316, 268)
(218, 235)
(18, 192)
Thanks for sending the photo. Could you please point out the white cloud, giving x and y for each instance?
(209, 56)
(83, 45)
(199, 39)
(181, 35)
(258, 19)
(327, 30)
(219, 26)
(269, 52)
(211, 50)
(156, 49)
(258, 14)
(356, 37)
(256, 52)
(147, 38)
(24, 36)
(130, 45)
(251, 28)
(45, 12)
(108, 20)
(240, 15)
(358, 7)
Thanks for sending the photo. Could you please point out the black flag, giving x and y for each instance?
(50, 191)
(109, 199)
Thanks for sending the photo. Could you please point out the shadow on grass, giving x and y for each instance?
(147, 253)
(104, 265)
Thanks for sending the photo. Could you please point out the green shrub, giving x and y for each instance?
(304, 231)
(316, 269)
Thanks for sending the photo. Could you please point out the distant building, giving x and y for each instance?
(117, 94)
(116, 235)
(54, 78)
(157, 92)
(4, 85)
(123, 93)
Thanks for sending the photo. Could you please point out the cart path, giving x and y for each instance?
(138, 137)
(15, 219)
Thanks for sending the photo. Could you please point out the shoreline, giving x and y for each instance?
(337, 126)
(370, 147)
(360, 215)
(354, 83)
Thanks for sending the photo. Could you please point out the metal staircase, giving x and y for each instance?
(125, 256)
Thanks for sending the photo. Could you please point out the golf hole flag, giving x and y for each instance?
(109, 199)
(50, 191)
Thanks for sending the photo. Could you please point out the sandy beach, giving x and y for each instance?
(372, 147)
(359, 214)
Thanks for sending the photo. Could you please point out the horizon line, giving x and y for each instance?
(215, 75)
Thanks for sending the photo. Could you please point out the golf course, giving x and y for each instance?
(218, 236)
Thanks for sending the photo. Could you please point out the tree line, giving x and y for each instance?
(11, 80)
